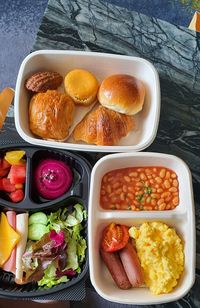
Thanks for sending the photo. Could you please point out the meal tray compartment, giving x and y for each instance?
(78, 193)
(181, 218)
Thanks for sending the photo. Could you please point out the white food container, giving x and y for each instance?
(101, 65)
(182, 218)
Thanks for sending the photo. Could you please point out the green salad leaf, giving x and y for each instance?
(49, 279)
(71, 224)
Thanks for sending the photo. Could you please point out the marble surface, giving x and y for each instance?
(174, 50)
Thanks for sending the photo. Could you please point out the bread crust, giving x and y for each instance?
(122, 93)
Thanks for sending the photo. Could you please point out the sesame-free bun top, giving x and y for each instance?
(81, 86)
(122, 93)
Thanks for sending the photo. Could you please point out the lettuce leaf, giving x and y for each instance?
(50, 279)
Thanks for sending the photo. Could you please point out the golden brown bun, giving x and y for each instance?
(103, 127)
(122, 93)
(51, 114)
(81, 86)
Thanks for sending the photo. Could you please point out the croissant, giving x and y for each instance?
(103, 127)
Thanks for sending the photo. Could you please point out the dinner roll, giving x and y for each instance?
(122, 93)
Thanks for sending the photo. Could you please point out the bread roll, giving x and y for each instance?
(51, 114)
(122, 93)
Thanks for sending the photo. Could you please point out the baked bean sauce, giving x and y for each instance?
(140, 188)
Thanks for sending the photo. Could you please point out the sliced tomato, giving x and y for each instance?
(7, 186)
(115, 237)
(17, 196)
(17, 174)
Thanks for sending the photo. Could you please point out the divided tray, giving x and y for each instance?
(78, 193)
(181, 218)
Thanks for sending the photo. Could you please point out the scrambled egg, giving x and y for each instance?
(160, 251)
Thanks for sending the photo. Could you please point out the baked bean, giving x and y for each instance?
(108, 189)
(155, 196)
(158, 180)
(162, 206)
(130, 188)
(139, 184)
(167, 176)
(134, 174)
(140, 188)
(168, 198)
(148, 171)
(127, 178)
(105, 178)
(175, 201)
(143, 176)
(124, 188)
(173, 176)
(167, 184)
(160, 201)
(173, 189)
(122, 196)
(165, 194)
(175, 183)
(118, 191)
(162, 173)
(116, 185)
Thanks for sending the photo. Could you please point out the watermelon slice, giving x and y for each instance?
(17, 196)
(7, 185)
(4, 167)
(17, 174)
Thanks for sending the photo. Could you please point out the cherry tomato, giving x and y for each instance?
(115, 237)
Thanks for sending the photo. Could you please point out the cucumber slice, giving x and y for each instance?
(38, 218)
(36, 231)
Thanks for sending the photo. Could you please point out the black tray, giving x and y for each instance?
(78, 193)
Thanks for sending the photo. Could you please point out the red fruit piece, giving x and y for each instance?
(1, 184)
(4, 167)
(17, 195)
(7, 186)
(5, 164)
(3, 172)
(17, 174)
